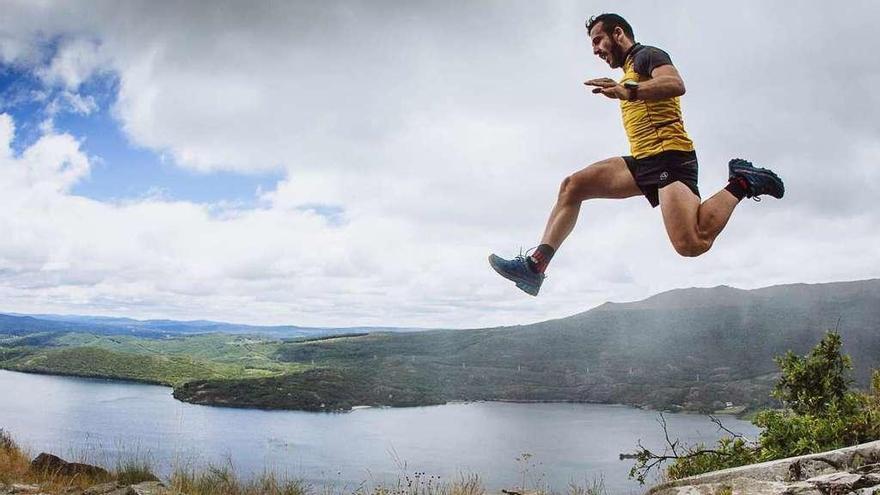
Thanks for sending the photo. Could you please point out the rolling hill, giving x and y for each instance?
(691, 349)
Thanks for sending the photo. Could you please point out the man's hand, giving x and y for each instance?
(608, 87)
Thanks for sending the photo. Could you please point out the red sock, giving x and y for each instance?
(541, 258)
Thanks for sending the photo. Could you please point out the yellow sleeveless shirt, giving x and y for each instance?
(651, 126)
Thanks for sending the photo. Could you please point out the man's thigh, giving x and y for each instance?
(609, 178)
(679, 206)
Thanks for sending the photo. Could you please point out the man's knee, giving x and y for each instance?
(690, 245)
(566, 190)
(575, 188)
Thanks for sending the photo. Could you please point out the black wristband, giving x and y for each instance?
(632, 90)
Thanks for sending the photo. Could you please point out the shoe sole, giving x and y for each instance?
(528, 289)
(521, 283)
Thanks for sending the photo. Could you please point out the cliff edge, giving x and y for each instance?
(849, 470)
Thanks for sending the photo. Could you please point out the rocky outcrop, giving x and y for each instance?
(55, 465)
(111, 488)
(838, 472)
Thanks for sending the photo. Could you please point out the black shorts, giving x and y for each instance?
(657, 171)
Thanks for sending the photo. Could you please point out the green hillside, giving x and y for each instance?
(698, 349)
(690, 349)
(172, 361)
(95, 362)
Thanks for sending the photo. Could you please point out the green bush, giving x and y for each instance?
(852, 420)
(812, 384)
(729, 452)
(819, 413)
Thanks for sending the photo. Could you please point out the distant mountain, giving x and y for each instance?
(698, 349)
(740, 329)
(692, 349)
(23, 325)
(20, 324)
(725, 296)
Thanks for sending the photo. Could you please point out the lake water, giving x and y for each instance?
(99, 420)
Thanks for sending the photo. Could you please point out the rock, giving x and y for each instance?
(849, 470)
(744, 486)
(843, 482)
(149, 488)
(22, 488)
(868, 468)
(47, 461)
(803, 469)
(801, 488)
(56, 465)
(102, 489)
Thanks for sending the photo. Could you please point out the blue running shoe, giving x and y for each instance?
(518, 271)
(759, 180)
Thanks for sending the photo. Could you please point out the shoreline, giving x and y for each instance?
(139, 381)
(740, 415)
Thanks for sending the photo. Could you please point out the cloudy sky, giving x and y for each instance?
(353, 163)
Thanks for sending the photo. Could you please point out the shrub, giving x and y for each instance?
(819, 413)
(813, 383)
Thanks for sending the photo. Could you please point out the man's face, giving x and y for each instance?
(605, 47)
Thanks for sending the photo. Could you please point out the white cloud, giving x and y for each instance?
(74, 62)
(71, 102)
(440, 133)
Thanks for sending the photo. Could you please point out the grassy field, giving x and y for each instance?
(170, 361)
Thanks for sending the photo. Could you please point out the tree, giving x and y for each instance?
(814, 383)
(821, 413)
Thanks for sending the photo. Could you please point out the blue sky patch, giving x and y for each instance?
(120, 170)
(334, 214)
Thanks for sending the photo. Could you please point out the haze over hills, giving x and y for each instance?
(691, 349)
(742, 329)
(15, 323)
(723, 295)
(694, 349)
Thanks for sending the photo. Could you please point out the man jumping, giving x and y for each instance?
(662, 167)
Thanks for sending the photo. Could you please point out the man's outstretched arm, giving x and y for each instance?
(665, 82)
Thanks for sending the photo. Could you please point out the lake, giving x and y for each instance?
(99, 421)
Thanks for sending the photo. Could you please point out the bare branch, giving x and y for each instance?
(646, 460)
(662, 420)
(717, 421)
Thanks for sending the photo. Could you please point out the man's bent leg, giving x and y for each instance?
(609, 178)
(693, 227)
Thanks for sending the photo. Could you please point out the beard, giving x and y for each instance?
(617, 55)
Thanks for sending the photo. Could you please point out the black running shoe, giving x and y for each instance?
(759, 180)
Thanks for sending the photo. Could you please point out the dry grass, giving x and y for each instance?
(134, 469)
(222, 480)
(422, 484)
(15, 467)
(594, 487)
(14, 464)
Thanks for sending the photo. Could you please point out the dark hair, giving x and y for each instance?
(609, 22)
